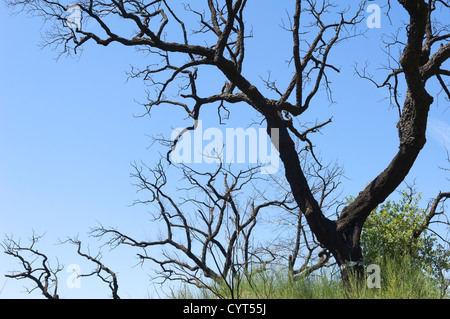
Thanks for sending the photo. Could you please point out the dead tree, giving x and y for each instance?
(211, 225)
(44, 276)
(207, 237)
(219, 44)
(102, 271)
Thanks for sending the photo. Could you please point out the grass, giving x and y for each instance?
(398, 280)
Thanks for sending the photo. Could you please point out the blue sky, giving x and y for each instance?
(68, 137)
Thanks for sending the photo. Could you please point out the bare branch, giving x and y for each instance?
(43, 276)
(111, 278)
(440, 199)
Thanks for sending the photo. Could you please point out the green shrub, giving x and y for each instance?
(388, 235)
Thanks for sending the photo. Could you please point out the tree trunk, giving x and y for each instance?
(342, 237)
(348, 255)
(344, 244)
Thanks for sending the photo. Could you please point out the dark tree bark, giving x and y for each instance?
(411, 126)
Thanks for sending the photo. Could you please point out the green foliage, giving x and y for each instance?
(388, 235)
(388, 231)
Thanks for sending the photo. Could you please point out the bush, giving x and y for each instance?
(388, 235)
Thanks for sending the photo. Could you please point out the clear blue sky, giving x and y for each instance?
(68, 136)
